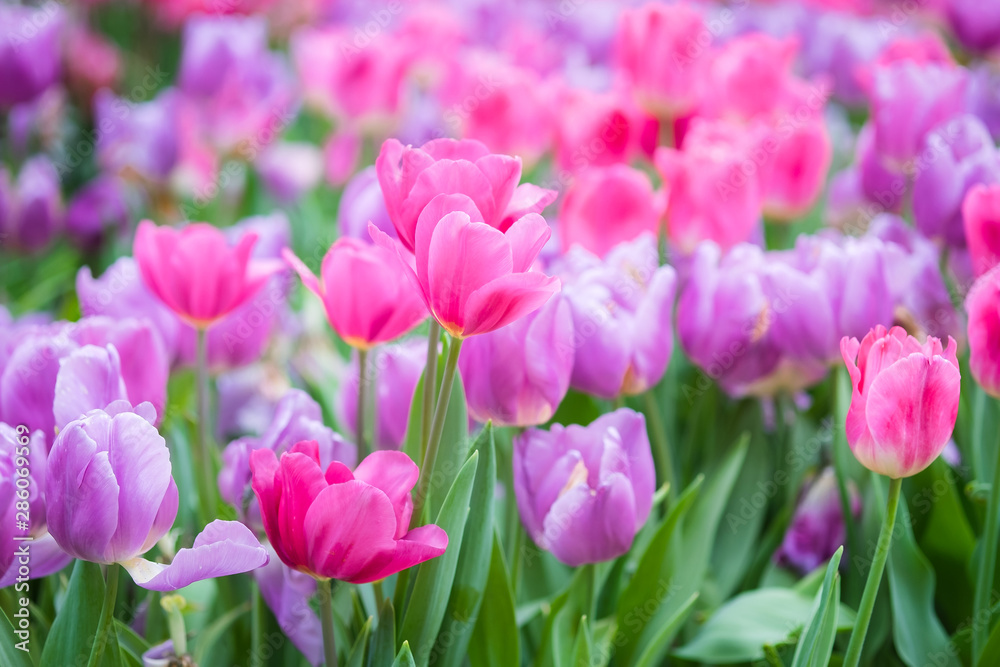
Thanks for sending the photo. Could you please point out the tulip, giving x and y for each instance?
(396, 369)
(795, 174)
(296, 417)
(981, 215)
(750, 76)
(110, 497)
(605, 206)
(289, 169)
(983, 96)
(959, 155)
(595, 129)
(31, 207)
(213, 45)
(709, 196)
(904, 400)
(382, 306)
(984, 330)
(622, 311)
(518, 375)
(137, 139)
(818, 528)
(362, 202)
(976, 26)
(96, 63)
(287, 592)
(98, 206)
(584, 491)
(348, 526)
(878, 183)
(835, 45)
(195, 271)
(29, 52)
(411, 177)
(658, 49)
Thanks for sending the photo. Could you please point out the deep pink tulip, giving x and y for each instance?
(983, 306)
(904, 402)
(473, 277)
(195, 271)
(981, 215)
(367, 295)
(751, 76)
(606, 206)
(796, 171)
(411, 177)
(341, 525)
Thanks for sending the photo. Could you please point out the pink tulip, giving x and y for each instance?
(473, 277)
(411, 177)
(366, 293)
(983, 306)
(751, 76)
(341, 525)
(795, 170)
(714, 189)
(595, 129)
(606, 206)
(904, 402)
(196, 273)
(981, 215)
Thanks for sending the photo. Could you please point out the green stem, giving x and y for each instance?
(874, 577)
(516, 561)
(256, 624)
(107, 616)
(172, 604)
(379, 595)
(661, 446)
(362, 393)
(437, 428)
(430, 383)
(323, 586)
(987, 567)
(207, 468)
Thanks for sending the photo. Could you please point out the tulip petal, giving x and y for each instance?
(45, 555)
(308, 277)
(287, 593)
(505, 299)
(264, 468)
(526, 237)
(301, 480)
(395, 474)
(451, 177)
(89, 379)
(605, 515)
(222, 549)
(383, 240)
(419, 545)
(503, 172)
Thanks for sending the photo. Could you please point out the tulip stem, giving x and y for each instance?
(326, 616)
(362, 392)
(874, 577)
(206, 472)
(107, 616)
(430, 384)
(658, 432)
(437, 428)
(988, 551)
(256, 624)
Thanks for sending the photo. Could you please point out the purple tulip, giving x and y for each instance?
(519, 374)
(289, 169)
(248, 397)
(110, 497)
(214, 45)
(908, 100)
(15, 331)
(19, 451)
(836, 45)
(818, 527)
(584, 491)
(976, 24)
(983, 96)
(98, 206)
(137, 138)
(287, 592)
(29, 51)
(959, 154)
(878, 184)
(395, 370)
(621, 310)
(31, 206)
(361, 203)
(297, 417)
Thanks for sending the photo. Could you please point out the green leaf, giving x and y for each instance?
(77, 624)
(427, 604)
(383, 643)
(495, 638)
(991, 652)
(207, 638)
(405, 657)
(583, 648)
(131, 644)
(916, 630)
(356, 658)
(661, 641)
(816, 645)
(474, 565)
(740, 629)
(10, 655)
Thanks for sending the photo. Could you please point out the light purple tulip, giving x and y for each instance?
(621, 309)
(584, 491)
(214, 45)
(30, 206)
(519, 374)
(29, 51)
(137, 138)
(97, 207)
(395, 370)
(959, 154)
(361, 203)
(110, 497)
(247, 398)
(835, 45)
(287, 592)
(289, 169)
(818, 528)
(297, 417)
(89, 378)
(983, 96)
(878, 183)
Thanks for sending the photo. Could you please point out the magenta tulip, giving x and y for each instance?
(341, 525)
(366, 293)
(981, 215)
(904, 401)
(983, 306)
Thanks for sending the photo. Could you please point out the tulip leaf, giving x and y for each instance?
(740, 629)
(10, 655)
(916, 630)
(816, 644)
(77, 624)
(132, 646)
(674, 565)
(356, 658)
(583, 648)
(382, 647)
(432, 586)
(474, 564)
(405, 657)
(208, 637)
(665, 635)
(495, 637)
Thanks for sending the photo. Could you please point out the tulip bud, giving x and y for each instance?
(818, 528)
